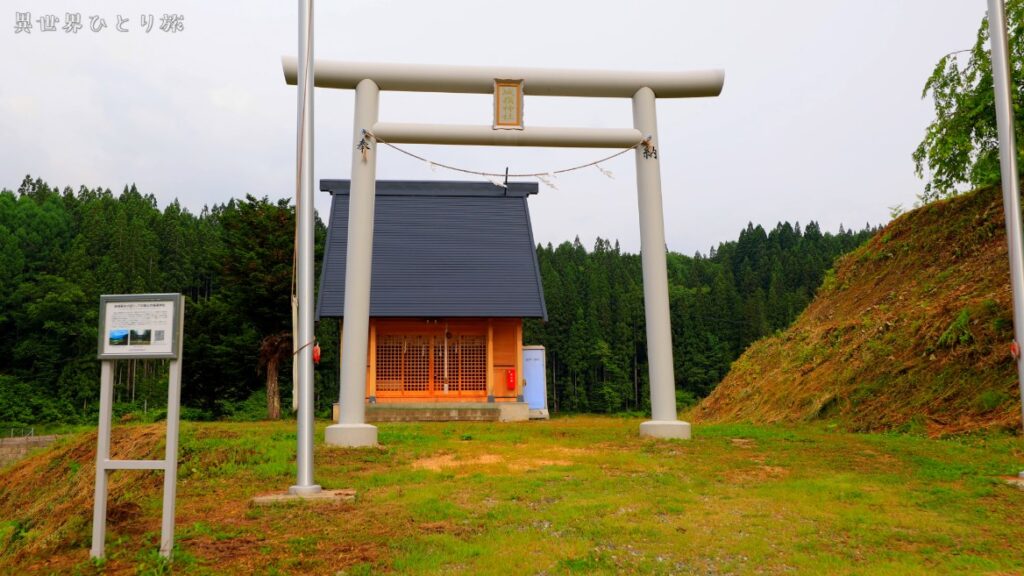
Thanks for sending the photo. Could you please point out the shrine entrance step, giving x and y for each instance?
(448, 412)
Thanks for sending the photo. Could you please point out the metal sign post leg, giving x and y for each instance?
(171, 458)
(99, 512)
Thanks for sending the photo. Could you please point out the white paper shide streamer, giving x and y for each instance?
(548, 180)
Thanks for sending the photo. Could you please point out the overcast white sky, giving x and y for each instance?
(819, 116)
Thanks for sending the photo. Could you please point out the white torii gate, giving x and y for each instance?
(352, 429)
(642, 87)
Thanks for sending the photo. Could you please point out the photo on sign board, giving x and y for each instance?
(141, 337)
(118, 337)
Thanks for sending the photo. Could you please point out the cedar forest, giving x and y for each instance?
(61, 249)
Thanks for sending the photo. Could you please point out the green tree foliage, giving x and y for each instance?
(61, 249)
(961, 145)
(257, 275)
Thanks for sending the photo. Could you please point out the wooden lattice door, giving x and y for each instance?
(435, 365)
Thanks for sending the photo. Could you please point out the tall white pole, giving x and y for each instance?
(304, 254)
(352, 429)
(664, 422)
(1008, 169)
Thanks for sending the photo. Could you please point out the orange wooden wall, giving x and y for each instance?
(504, 351)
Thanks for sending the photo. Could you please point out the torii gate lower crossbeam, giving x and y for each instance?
(643, 88)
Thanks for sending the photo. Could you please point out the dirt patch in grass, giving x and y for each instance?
(524, 465)
(579, 451)
(760, 473)
(448, 461)
(443, 462)
(743, 442)
(444, 527)
(339, 554)
(236, 551)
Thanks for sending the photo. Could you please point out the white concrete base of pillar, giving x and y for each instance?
(303, 491)
(666, 429)
(351, 435)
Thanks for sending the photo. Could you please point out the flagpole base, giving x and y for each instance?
(305, 490)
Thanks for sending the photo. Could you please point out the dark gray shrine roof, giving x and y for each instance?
(440, 249)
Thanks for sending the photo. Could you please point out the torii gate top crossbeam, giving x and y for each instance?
(538, 81)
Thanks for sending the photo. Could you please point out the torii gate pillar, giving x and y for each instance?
(664, 422)
(351, 428)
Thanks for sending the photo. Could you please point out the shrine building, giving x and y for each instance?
(454, 274)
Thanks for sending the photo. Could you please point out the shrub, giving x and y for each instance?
(958, 333)
(685, 399)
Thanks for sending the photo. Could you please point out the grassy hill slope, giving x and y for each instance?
(911, 331)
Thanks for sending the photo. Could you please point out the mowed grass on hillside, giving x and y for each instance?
(912, 331)
(579, 495)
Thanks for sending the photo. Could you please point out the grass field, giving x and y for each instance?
(576, 495)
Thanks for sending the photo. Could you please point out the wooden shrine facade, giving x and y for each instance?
(454, 274)
(453, 360)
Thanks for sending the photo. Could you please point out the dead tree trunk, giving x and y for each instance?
(273, 393)
(273, 349)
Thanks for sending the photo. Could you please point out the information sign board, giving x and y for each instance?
(139, 326)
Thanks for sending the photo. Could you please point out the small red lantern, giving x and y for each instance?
(316, 353)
